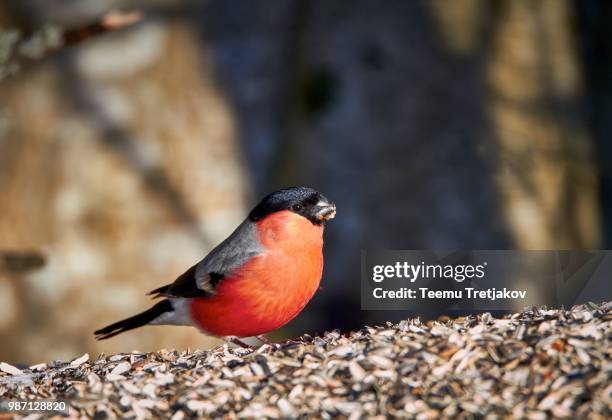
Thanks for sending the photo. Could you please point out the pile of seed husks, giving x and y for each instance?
(534, 364)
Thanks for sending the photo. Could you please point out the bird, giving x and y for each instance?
(255, 281)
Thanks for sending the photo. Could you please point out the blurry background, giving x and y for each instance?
(127, 153)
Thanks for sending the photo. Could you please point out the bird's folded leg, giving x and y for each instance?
(240, 343)
(264, 339)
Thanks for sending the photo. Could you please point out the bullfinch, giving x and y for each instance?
(256, 280)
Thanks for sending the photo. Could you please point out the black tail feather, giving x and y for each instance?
(135, 321)
(159, 292)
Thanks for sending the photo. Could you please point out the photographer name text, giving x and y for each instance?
(466, 293)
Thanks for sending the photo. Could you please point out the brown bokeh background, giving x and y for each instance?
(444, 124)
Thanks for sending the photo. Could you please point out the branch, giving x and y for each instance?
(20, 262)
(19, 50)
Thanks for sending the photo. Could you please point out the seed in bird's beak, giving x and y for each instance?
(327, 211)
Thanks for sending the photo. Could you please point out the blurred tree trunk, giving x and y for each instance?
(119, 162)
(547, 173)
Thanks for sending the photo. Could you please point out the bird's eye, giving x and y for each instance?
(297, 207)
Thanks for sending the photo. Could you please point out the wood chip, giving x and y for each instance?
(79, 361)
(10, 369)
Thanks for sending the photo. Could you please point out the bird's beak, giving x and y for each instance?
(326, 211)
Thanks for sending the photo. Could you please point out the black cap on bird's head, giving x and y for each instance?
(300, 200)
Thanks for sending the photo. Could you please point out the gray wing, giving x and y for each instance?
(202, 279)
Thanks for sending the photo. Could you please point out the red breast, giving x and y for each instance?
(270, 289)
